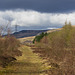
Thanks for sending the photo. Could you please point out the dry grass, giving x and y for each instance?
(27, 64)
(27, 38)
(53, 30)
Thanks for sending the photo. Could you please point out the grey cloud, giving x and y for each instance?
(39, 5)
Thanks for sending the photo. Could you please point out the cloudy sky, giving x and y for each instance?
(36, 14)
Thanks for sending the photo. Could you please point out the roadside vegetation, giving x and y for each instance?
(8, 50)
(9, 47)
(58, 48)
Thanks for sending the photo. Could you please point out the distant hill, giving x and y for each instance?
(27, 33)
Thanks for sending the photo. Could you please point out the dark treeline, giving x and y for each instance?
(39, 37)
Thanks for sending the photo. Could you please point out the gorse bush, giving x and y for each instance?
(59, 50)
(8, 50)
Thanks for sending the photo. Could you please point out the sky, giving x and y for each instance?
(36, 14)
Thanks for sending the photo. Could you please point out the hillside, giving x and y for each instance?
(58, 48)
(27, 33)
(30, 33)
(29, 39)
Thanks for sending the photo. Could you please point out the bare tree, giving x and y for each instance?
(5, 29)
